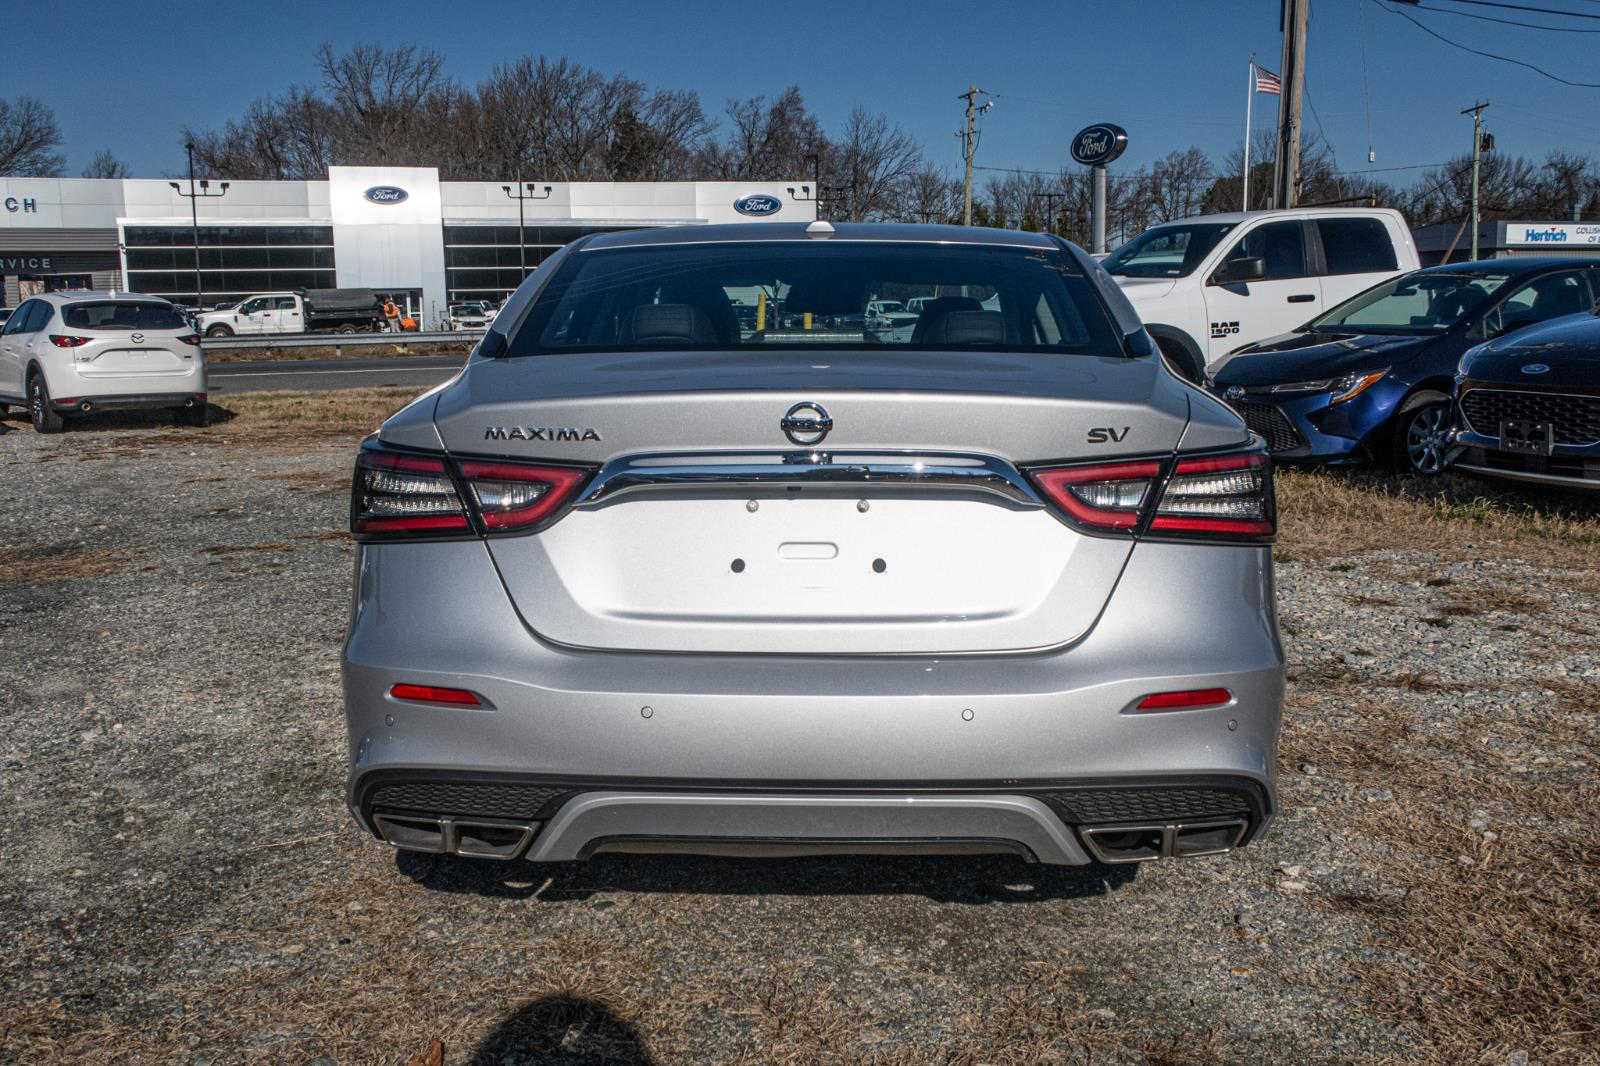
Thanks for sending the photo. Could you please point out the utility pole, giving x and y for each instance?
(1286, 168)
(969, 143)
(1050, 199)
(1476, 111)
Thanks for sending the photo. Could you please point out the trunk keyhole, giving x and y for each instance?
(879, 566)
(737, 566)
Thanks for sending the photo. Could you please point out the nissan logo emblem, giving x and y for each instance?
(806, 424)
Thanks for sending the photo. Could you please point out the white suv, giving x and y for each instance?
(1210, 285)
(62, 353)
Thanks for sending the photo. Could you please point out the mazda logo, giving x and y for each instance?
(806, 423)
(137, 338)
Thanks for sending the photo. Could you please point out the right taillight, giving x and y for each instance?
(1228, 496)
(1211, 497)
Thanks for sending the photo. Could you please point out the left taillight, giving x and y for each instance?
(1211, 497)
(402, 494)
(406, 495)
(191, 339)
(67, 341)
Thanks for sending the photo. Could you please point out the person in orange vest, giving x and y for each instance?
(391, 315)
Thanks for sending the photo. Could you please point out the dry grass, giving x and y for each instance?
(46, 563)
(307, 416)
(1328, 514)
(329, 351)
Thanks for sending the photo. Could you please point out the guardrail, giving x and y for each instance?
(337, 341)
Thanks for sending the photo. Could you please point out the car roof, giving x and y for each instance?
(745, 232)
(1284, 212)
(76, 295)
(1515, 267)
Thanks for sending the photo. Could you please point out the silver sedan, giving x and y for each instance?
(651, 575)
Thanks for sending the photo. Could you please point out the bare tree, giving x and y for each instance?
(29, 137)
(766, 141)
(286, 138)
(931, 195)
(105, 165)
(378, 97)
(874, 162)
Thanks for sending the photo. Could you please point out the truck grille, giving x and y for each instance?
(1576, 419)
(1272, 424)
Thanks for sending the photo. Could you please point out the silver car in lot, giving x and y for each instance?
(645, 578)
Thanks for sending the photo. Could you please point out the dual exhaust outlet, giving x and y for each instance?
(1141, 842)
(470, 839)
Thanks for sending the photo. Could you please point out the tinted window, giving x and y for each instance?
(284, 303)
(1551, 296)
(1356, 245)
(790, 294)
(39, 317)
(1166, 251)
(18, 322)
(122, 314)
(1415, 303)
(1281, 245)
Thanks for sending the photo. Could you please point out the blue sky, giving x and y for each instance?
(127, 76)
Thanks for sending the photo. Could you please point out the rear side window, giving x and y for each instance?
(121, 315)
(18, 322)
(1356, 246)
(786, 295)
(1280, 245)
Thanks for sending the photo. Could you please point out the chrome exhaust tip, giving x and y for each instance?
(86, 406)
(452, 836)
(1142, 842)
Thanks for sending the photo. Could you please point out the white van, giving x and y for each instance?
(1209, 285)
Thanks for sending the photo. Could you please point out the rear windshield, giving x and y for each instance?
(815, 294)
(122, 314)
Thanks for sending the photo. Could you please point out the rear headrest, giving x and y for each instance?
(668, 324)
(936, 309)
(967, 327)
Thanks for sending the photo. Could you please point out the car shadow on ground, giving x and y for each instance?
(562, 1031)
(955, 879)
(155, 418)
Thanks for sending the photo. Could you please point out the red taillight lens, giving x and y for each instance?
(433, 694)
(410, 494)
(1213, 497)
(516, 496)
(403, 494)
(1108, 496)
(191, 338)
(67, 342)
(1224, 496)
(1177, 701)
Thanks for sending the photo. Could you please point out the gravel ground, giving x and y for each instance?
(181, 882)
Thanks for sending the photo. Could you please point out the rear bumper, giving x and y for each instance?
(105, 390)
(129, 402)
(862, 752)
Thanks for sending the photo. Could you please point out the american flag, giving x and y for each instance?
(1267, 82)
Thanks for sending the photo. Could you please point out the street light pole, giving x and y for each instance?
(195, 196)
(524, 192)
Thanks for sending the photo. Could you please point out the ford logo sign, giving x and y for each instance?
(386, 194)
(1536, 368)
(1097, 145)
(759, 206)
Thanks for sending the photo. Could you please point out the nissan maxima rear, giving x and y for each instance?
(648, 577)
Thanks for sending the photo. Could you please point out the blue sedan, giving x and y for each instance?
(1370, 380)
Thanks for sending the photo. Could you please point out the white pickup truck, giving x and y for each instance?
(1209, 285)
(302, 311)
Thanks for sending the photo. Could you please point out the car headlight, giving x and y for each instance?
(1339, 389)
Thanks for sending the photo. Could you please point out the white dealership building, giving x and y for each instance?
(398, 230)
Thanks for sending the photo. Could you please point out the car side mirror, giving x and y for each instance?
(1245, 268)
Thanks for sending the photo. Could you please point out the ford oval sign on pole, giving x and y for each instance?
(386, 194)
(1094, 147)
(760, 206)
(1099, 144)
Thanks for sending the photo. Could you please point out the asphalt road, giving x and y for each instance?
(271, 375)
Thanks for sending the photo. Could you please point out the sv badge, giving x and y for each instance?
(1107, 434)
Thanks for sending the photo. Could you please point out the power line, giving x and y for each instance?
(1492, 55)
(1521, 7)
(1503, 22)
